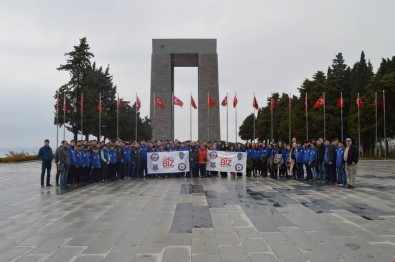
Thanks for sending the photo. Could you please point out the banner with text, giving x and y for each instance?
(226, 161)
(168, 162)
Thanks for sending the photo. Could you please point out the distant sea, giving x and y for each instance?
(30, 150)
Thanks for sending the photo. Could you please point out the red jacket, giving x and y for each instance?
(202, 156)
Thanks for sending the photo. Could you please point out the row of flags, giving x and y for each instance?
(211, 102)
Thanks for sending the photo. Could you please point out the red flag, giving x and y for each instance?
(224, 101)
(159, 102)
(119, 105)
(138, 103)
(255, 104)
(99, 107)
(359, 102)
(340, 102)
(81, 104)
(177, 101)
(210, 101)
(320, 102)
(64, 105)
(193, 104)
(272, 104)
(235, 101)
(57, 106)
(375, 103)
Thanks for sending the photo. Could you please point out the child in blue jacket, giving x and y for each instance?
(299, 161)
(95, 165)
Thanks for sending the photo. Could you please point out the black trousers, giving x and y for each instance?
(202, 169)
(46, 166)
(112, 170)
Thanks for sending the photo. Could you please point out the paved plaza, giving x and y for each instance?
(200, 219)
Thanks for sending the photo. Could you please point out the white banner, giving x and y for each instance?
(168, 162)
(226, 161)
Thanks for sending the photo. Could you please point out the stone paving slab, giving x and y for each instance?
(199, 219)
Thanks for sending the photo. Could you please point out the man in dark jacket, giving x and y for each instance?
(351, 160)
(64, 163)
(45, 155)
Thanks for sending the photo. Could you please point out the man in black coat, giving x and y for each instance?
(351, 157)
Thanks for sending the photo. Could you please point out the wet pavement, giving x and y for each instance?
(200, 219)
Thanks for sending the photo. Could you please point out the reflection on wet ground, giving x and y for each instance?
(198, 219)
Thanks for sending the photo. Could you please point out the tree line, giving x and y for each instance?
(340, 78)
(91, 80)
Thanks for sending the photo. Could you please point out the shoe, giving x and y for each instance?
(349, 186)
(57, 184)
(42, 186)
(49, 185)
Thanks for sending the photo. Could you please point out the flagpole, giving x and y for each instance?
(323, 96)
(190, 117)
(101, 108)
(359, 130)
(385, 133)
(136, 120)
(172, 116)
(254, 123)
(154, 135)
(117, 116)
(289, 119)
(307, 119)
(208, 117)
(341, 114)
(64, 116)
(57, 119)
(375, 111)
(82, 114)
(236, 121)
(271, 119)
(227, 130)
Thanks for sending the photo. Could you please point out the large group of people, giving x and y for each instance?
(318, 161)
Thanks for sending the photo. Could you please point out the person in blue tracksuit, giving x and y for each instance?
(73, 166)
(306, 159)
(86, 166)
(144, 149)
(326, 161)
(95, 163)
(112, 167)
(127, 160)
(80, 164)
(274, 169)
(313, 161)
(299, 161)
(258, 160)
(286, 160)
(250, 159)
(340, 169)
(265, 158)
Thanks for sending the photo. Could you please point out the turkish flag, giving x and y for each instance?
(57, 106)
(340, 102)
(360, 104)
(99, 107)
(138, 103)
(159, 102)
(235, 101)
(255, 104)
(320, 102)
(272, 104)
(210, 101)
(82, 104)
(119, 105)
(193, 104)
(306, 107)
(177, 101)
(224, 101)
(64, 105)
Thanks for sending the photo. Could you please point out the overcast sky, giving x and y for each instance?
(263, 47)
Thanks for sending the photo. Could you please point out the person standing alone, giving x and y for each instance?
(45, 155)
